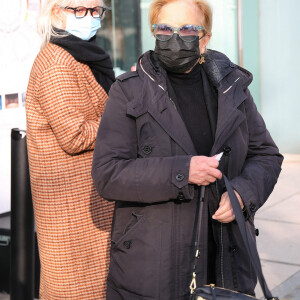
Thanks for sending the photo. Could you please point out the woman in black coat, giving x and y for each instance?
(157, 143)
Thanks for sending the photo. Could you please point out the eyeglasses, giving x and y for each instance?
(81, 11)
(188, 33)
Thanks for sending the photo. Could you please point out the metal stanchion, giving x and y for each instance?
(22, 221)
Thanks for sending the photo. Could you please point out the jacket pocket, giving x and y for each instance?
(135, 259)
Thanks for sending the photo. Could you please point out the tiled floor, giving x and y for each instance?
(279, 226)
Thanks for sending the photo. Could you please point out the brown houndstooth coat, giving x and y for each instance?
(64, 106)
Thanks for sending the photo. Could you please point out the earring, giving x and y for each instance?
(202, 59)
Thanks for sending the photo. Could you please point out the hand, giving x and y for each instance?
(225, 213)
(203, 170)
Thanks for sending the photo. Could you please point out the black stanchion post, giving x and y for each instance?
(22, 221)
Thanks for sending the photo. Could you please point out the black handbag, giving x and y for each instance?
(211, 292)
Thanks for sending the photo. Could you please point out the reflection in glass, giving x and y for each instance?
(120, 33)
(126, 33)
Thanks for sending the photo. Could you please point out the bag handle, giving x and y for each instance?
(246, 236)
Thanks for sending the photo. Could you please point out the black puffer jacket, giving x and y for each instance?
(141, 161)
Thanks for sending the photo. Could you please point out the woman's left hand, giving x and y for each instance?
(225, 213)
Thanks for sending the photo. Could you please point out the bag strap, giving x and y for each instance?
(247, 239)
(246, 236)
(198, 235)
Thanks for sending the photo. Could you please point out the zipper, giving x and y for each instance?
(145, 71)
(175, 235)
(162, 87)
(232, 291)
(217, 191)
(231, 85)
(155, 82)
(173, 103)
(226, 150)
(152, 78)
(222, 257)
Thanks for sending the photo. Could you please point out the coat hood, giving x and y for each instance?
(217, 66)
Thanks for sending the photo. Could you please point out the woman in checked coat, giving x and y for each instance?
(66, 96)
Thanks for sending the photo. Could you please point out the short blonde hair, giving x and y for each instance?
(48, 20)
(203, 6)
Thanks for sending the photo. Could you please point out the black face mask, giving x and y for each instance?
(177, 55)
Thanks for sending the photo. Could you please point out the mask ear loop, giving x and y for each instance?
(200, 38)
(202, 58)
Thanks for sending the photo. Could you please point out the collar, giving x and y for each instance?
(217, 67)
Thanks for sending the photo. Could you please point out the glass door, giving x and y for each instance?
(126, 33)
(120, 33)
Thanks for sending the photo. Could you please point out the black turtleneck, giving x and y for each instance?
(189, 100)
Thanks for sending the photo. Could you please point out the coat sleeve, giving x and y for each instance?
(262, 165)
(58, 93)
(119, 174)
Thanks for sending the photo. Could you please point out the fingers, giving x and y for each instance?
(203, 170)
(226, 217)
(215, 173)
(212, 162)
(240, 199)
(205, 183)
(225, 213)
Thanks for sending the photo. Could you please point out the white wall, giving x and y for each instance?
(224, 30)
(19, 45)
(280, 65)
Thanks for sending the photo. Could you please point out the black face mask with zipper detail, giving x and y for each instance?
(177, 55)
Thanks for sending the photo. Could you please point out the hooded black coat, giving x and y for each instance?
(141, 161)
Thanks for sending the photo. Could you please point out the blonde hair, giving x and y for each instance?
(202, 5)
(48, 20)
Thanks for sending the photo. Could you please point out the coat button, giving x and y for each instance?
(256, 231)
(147, 150)
(226, 149)
(179, 177)
(252, 207)
(127, 244)
(180, 197)
(233, 249)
